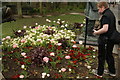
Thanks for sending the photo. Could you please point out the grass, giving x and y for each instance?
(8, 27)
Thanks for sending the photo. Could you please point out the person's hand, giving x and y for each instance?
(94, 32)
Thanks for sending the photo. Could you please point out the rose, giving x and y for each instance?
(67, 57)
(63, 69)
(46, 59)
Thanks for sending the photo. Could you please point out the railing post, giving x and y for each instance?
(86, 27)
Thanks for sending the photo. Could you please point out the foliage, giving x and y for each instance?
(52, 49)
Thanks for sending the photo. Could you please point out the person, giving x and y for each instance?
(91, 12)
(105, 46)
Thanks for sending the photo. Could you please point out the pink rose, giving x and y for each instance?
(63, 69)
(46, 59)
(22, 41)
(67, 57)
(15, 45)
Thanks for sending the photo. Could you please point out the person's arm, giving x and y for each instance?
(104, 29)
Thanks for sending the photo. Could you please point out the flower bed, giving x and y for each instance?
(45, 51)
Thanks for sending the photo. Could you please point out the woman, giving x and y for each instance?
(105, 46)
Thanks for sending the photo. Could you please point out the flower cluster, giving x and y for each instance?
(50, 48)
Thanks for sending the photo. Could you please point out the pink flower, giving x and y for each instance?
(36, 27)
(15, 45)
(67, 57)
(63, 69)
(22, 41)
(46, 59)
(8, 37)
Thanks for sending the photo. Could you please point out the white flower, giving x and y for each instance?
(78, 76)
(39, 40)
(3, 39)
(19, 31)
(94, 56)
(23, 54)
(87, 77)
(84, 22)
(54, 21)
(72, 40)
(63, 21)
(24, 27)
(36, 23)
(89, 67)
(52, 54)
(22, 66)
(81, 24)
(67, 37)
(62, 26)
(58, 19)
(43, 74)
(80, 42)
(59, 70)
(21, 76)
(74, 46)
(58, 22)
(47, 19)
(70, 69)
(0, 58)
(59, 44)
(94, 50)
(66, 25)
(48, 75)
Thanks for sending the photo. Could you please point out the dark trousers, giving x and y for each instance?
(105, 48)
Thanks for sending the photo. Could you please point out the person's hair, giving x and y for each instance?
(100, 4)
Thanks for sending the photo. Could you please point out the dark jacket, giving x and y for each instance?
(108, 18)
